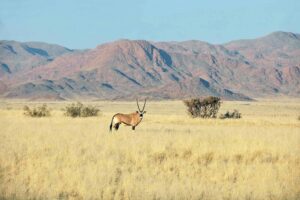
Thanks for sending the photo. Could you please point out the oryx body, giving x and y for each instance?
(132, 119)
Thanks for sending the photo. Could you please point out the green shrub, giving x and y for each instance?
(79, 110)
(204, 108)
(41, 111)
(233, 115)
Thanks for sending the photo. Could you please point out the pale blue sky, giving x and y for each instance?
(87, 23)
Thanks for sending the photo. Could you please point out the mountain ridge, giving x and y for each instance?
(125, 69)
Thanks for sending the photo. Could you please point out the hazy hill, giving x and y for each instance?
(18, 56)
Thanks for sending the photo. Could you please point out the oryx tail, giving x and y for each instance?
(111, 124)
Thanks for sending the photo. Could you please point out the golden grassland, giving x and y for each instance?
(168, 156)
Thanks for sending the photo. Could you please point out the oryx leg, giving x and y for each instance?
(133, 128)
(116, 126)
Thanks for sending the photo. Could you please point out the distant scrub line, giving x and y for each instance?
(204, 108)
(73, 110)
(196, 108)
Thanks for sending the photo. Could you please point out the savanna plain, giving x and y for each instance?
(168, 156)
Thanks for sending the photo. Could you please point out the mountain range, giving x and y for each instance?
(125, 69)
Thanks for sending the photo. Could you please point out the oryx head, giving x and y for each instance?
(141, 112)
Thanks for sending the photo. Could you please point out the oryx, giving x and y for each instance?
(132, 119)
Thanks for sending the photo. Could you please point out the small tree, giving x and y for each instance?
(41, 111)
(204, 108)
(79, 110)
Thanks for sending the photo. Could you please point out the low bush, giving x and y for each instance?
(79, 110)
(204, 108)
(41, 111)
(233, 115)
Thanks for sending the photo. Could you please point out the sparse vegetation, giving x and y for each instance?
(170, 156)
(233, 115)
(204, 108)
(79, 110)
(41, 111)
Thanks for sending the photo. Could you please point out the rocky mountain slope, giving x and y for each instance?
(125, 69)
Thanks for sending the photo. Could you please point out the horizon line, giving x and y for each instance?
(152, 41)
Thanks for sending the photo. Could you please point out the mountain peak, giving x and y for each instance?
(281, 37)
(282, 34)
(127, 43)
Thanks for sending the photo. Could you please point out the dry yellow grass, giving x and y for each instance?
(169, 156)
